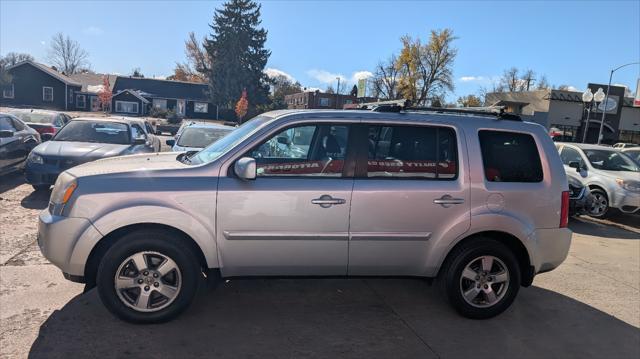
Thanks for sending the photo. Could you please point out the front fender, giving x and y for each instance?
(179, 220)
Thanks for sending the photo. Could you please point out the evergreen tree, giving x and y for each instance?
(237, 53)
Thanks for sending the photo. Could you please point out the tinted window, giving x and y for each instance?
(200, 137)
(569, 154)
(303, 151)
(408, 151)
(5, 124)
(90, 131)
(137, 131)
(610, 161)
(148, 127)
(510, 157)
(635, 155)
(35, 117)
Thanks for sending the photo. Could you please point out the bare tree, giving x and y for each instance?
(67, 55)
(528, 79)
(510, 80)
(136, 72)
(198, 62)
(13, 58)
(543, 84)
(384, 83)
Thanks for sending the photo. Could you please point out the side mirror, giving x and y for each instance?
(6, 134)
(245, 168)
(284, 140)
(140, 141)
(46, 137)
(171, 142)
(574, 164)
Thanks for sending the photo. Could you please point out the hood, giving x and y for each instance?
(625, 175)
(88, 150)
(133, 163)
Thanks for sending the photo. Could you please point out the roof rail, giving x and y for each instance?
(497, 111)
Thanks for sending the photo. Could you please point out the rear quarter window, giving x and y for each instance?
(510, 157)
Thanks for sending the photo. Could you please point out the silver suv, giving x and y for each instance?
(479, 202)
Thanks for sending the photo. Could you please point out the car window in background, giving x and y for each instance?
(94, 131)
(200, 137)
(412, 151)
(611, 161)
(137, 131)
(35, 117)
(569, 154)
(19, 126)
(5, 124)
(148, 127)
(634, 154)
(218, 148)
(510, 157)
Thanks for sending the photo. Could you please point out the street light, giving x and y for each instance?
(337, 91)
(606, 99)
(587, 97)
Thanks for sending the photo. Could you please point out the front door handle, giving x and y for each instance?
(446, 201)
(326, 201)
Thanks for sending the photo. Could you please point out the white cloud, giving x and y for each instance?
(359, 75)
(326, 77)
(93, 30)
(160, 77)
(572, 88)
(271, 72)
(471, 78)
(42, 42)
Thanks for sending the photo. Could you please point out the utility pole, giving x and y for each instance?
(337, 91)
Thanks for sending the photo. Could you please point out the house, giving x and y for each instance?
(37, 85)
(87, 98)
(565, 112)
(138, 96)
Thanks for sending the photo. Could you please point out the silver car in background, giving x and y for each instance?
(196, 136)
(478, 201)
(612, 176)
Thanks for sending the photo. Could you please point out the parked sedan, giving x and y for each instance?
(16, 141)
(612, 176)
(83, 140)
(195, 137)
(47, 123)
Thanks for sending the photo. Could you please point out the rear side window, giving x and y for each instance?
(510, 157)
(412, 152)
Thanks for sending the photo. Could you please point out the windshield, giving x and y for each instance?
(218, 148)
(201, 136)
(611, 161)
(95, 131)
(634, 154)
(34, 117)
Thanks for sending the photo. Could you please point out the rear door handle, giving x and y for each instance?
(447, 200)
(326, 201)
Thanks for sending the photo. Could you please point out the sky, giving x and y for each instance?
(572, 43)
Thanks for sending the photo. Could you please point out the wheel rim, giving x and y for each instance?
(484, 281)
(599, 205)
(148, 281)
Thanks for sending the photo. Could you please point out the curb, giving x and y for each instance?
(586, 218)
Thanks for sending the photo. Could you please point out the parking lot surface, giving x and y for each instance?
(588, 308)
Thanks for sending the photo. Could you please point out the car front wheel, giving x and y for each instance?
(600, 205)
(148, 277)
(481, 278)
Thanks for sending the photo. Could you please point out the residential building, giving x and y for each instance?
(87, 98)
(565, 113)
(320, 100)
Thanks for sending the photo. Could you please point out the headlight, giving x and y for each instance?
(633, 186)
(65, 185)
(34, 158)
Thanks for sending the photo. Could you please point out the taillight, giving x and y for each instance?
(46, 129)
(564, 210)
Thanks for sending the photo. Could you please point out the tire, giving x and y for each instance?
(41, 187)
(600, 205)
(473, 255)
(169, 282)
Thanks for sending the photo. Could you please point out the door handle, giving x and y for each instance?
(326, 201)
(447, 200)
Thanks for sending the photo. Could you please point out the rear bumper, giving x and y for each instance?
(550, 248)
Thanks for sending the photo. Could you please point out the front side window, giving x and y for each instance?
(510, 157)
(137, 131)
(7, 91)
(5, 124)
(308, 150)
(412, 151)
(201, 107)
(17, 124)
(80, 101)
(47, 94)
(569, 155)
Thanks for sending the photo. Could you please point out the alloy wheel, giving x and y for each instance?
(599, 205)
(148, 281)
(484, 281)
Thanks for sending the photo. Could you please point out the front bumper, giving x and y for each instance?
(66, 242)
(36, 174)
(581, 204)
(550, 248)
(626, 201)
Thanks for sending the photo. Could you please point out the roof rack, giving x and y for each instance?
(403, 105)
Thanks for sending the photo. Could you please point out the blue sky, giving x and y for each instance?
(572, 43)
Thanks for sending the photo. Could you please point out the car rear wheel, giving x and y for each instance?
(600, 205)
(148, 277)
(481, 278)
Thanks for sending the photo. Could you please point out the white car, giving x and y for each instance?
(195, 137)
(612, 176)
